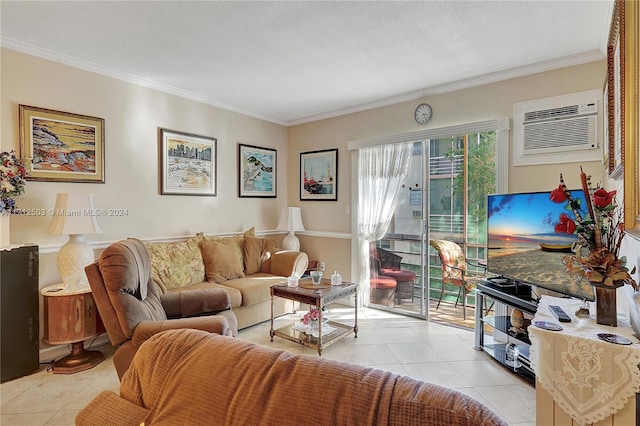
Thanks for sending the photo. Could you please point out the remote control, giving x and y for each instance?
(559, 313)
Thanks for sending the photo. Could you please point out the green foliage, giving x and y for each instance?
(481, 172)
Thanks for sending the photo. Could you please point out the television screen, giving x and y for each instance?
(523, 245)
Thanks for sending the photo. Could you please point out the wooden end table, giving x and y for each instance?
(70, 316)
(317, 297)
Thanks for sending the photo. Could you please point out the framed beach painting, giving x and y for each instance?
(319, 175)
(257, 171)
(187, 163)
(61, 146)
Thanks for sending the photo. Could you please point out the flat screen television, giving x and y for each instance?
(523, 245)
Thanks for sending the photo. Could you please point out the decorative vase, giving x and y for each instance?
(606, 307)
(517, 321)
(5, 223)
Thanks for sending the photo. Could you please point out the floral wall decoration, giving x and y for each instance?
(12, 181)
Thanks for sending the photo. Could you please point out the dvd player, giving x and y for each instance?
(509, 286)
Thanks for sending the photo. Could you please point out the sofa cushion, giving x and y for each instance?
(256, 251)
(222, 260)
(234, 294)
(176, 264)
(255, 288)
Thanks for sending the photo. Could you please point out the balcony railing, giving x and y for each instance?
(446, 166)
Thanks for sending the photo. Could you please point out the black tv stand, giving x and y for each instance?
(510, 295)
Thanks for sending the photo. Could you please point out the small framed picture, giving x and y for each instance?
(61, 146)
(257, 171)
(187, 163)
(319, 175)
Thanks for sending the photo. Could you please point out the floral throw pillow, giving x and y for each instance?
(177, 264)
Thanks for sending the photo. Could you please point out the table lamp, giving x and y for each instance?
(75, 216)
(291, 221)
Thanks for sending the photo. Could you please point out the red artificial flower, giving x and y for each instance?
(558, 195)
(602, 198)
(566, 225)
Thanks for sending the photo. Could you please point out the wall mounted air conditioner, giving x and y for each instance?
(558, 130)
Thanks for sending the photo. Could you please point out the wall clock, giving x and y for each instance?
(423, 113)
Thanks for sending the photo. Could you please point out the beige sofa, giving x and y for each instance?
(190, 377)
(244, 265)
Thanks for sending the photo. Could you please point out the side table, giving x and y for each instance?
(581, 378)
(318, 297)
(70, 316)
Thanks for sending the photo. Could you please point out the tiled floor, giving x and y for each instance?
(426, 351)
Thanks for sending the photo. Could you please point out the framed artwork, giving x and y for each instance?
(257, 171)
(631, 147)
(60, 146)
(187, 163)
(319, 175)
(616, 92)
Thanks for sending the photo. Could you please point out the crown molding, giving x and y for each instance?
(568, 61)
(586, 57)
(61, 58)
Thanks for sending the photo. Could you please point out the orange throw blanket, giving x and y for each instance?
(197, 378)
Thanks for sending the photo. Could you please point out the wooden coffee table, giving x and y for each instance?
(318, 297)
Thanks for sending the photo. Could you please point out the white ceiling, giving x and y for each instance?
(294, 62)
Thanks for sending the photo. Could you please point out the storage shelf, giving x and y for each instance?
(493, 333)
(503, 324)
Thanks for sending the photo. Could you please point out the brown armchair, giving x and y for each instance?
(133, 309)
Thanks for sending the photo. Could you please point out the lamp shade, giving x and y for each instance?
(74, 214)
(291, 219)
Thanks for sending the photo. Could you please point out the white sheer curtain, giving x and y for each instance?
(381, 170)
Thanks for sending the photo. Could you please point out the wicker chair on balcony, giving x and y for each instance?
(387, 264)
(454, 271)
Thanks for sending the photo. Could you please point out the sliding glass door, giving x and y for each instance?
(443, 197)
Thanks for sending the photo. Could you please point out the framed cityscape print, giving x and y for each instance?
(319, 175)
(61, 146)
(187, 163)
(257, 171)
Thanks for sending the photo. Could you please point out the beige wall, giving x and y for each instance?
(132, 116)
(488, 102)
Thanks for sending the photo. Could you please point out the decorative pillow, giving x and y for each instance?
(222, 260)
(256, 251)
(267, 252)
(177, 264)
(239, 238)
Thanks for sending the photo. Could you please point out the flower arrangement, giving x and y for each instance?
(12, 180)
(312, 317)
(600, 232)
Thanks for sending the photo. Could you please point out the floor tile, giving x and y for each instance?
(440, 373)
(414, 352)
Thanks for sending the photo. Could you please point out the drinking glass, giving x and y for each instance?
(512, 356)
(316, 277)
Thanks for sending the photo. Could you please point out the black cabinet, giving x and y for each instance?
(19, 316)
(494, 333)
